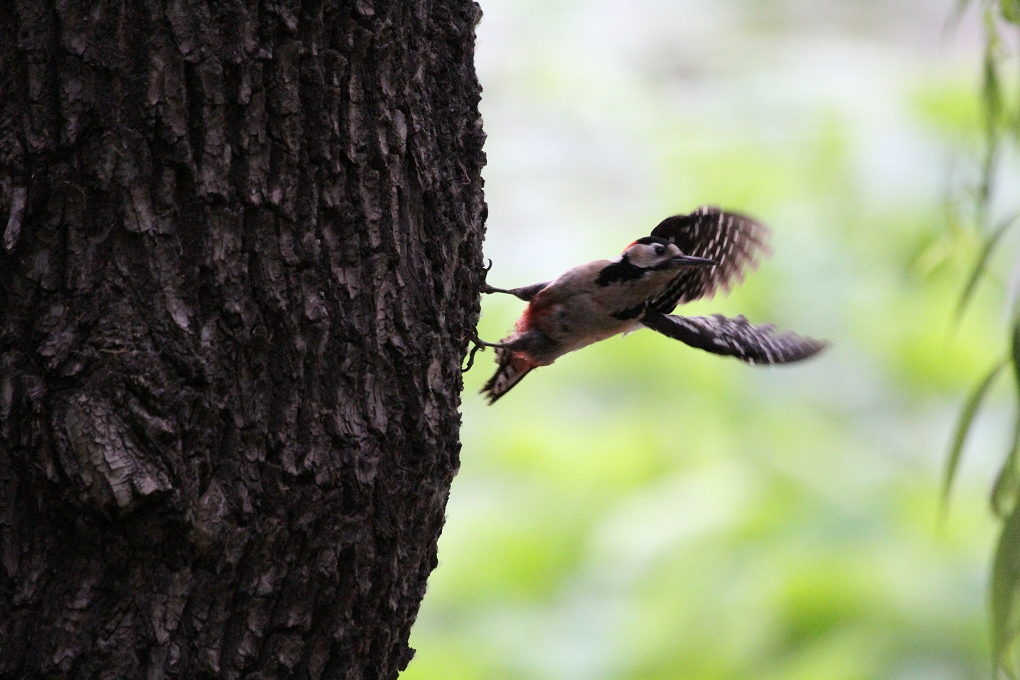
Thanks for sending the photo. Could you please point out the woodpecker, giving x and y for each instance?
(686, 257)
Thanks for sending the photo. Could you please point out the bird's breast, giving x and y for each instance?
(575, 311)
(574, 322)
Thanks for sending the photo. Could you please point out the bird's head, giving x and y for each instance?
(653, 253)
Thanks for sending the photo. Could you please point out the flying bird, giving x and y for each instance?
(686, 258)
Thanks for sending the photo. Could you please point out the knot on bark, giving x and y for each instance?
(105, 455)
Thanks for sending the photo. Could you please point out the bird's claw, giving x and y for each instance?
(479, 345)
(484, 287)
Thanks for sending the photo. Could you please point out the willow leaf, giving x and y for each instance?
(1007, 482)
(1011, 11)
(1005, 594)
(970, 409)
(979, 267)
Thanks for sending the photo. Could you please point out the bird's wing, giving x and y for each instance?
(735, 241)
(735, 338)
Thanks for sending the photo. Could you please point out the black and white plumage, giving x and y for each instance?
(734, 338)
(687, 257)
(734, 241)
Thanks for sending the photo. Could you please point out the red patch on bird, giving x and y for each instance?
(538, 307)
(524, 323)
(520, 362)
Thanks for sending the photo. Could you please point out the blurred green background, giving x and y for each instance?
(642, 510)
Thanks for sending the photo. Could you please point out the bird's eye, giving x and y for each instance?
(659, 250)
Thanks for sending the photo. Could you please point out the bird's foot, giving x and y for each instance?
(525, 293)
(484, 287)
(479, 344)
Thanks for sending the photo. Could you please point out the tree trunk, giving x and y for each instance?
(239, 268)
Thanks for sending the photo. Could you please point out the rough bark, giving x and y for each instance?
(241, 247)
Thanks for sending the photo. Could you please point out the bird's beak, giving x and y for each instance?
(691, 261)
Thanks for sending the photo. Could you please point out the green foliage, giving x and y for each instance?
(1006, 591)
(1011, 11)
(970, 410)
(1001, 124)
(981, 267)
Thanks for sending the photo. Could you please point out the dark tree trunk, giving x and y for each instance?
(241, 244)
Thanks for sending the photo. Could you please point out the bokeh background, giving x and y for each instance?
(642, 510)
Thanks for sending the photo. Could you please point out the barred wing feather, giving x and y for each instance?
(736, 338)
(735, 241)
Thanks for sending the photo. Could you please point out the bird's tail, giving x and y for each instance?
(513, 366)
